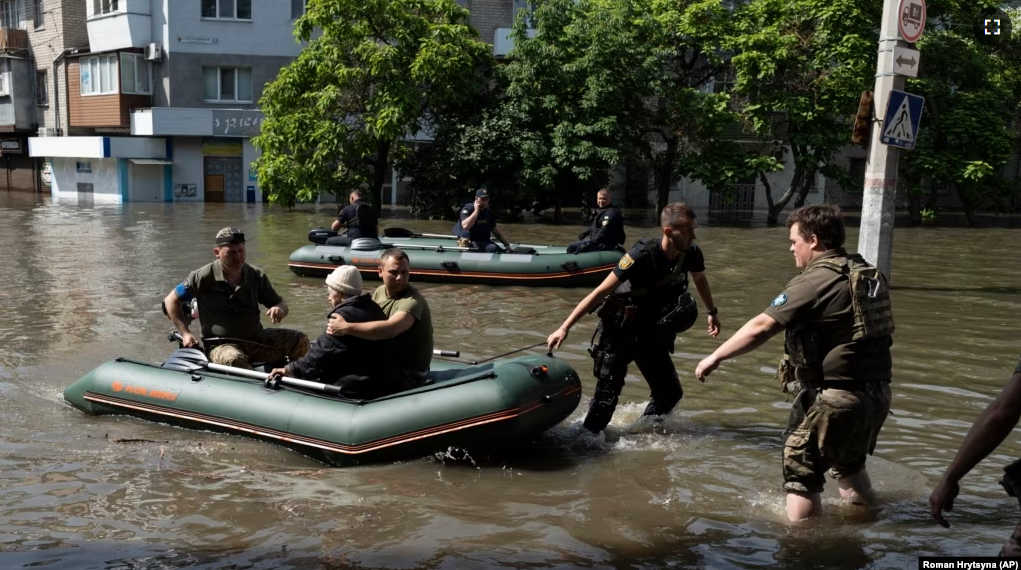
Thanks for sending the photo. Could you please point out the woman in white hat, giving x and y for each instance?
(364, 369)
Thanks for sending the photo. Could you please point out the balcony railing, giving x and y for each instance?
(13, 39)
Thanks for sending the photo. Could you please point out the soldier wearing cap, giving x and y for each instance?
(229, 292)
(364, 369)
(477, 223)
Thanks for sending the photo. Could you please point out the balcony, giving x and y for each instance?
(13, 39)
(503, 43)
(118, 25)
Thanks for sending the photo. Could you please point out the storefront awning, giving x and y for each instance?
(150, 161)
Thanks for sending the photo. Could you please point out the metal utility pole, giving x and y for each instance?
(875, 239)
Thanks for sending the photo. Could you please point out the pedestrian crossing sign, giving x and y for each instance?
(903, 113)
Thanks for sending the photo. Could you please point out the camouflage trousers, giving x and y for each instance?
(270, 345)
(832, 430)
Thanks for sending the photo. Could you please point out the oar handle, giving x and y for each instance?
(450, 353)
(328, 388)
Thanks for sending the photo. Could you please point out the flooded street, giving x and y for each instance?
(83, 284)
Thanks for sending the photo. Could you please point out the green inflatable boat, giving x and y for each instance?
(463, 406)
(437, 258)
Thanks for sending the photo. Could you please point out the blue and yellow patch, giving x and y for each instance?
(626, 261)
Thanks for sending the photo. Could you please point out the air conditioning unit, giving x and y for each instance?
(154, 52)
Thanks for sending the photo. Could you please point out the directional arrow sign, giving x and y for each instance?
(905, 61)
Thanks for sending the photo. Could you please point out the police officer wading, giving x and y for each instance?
(646, 305)
(838, 324)
(359, 219)
(606, 231)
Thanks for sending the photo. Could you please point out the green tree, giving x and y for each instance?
(972, 109)
(802, 65)
(366, 80)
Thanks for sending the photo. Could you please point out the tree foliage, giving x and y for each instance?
(366, 80)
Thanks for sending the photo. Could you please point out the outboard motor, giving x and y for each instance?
(366, 244)
(320, 235)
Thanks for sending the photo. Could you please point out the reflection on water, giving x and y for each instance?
(82, 284)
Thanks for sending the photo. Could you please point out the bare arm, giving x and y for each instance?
(468, 222)
(591, 301)
(986, 434)
(989, 430)
(174, 313)
(335, 226)
(702, 284)
(503, 240)
(374, 330)
(751, 336)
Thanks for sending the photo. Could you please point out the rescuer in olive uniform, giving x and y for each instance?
(838, 322)
(646, 305)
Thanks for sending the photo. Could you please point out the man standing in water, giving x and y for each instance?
(646, 306)
(993, 425)
(838, 322)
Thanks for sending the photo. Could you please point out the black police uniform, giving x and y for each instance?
(360, 220)
(606, 232)
(639, 323)
(480, 234)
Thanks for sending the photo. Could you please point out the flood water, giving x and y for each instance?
(83, 284)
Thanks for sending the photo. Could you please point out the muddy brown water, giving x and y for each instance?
(82, 284)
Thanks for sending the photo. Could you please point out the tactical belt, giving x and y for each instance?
(849, 385)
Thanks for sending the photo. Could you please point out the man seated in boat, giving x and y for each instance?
(606, 228)
(363, 369)
(477, 224)
(408, 322)
(358, 218)
(229, 292)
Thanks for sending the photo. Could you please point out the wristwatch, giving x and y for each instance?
(715, 311)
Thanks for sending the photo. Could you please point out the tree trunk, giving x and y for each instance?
(914, 202)
(379, 167)
(773, 215)
(966, 204)
(664, 173)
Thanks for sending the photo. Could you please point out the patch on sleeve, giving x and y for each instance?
(626, 261)
(183, 292)
(606, 220)
(464, 211)
(780, 300)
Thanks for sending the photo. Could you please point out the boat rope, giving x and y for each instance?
(509, 353)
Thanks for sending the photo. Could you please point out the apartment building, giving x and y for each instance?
(162, 104)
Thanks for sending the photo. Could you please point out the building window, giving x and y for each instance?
(298, 8)
(135, 74)
(528, 8)
(41, 82)
(227, 9)
(38, 14)
(85, 188)
(232, 84)
(856, 170)
(103, 7)
(98, 75)
(9, 14)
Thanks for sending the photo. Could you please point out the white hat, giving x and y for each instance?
(345, 279)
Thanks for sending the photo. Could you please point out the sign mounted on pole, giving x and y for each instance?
(905, 61)
(903, 113)
(911, 19)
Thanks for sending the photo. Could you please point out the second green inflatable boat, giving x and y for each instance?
(463, 406)
(438, 259)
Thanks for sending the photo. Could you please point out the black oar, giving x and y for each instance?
(192, 359)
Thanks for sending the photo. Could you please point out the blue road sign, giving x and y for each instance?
(903, 113)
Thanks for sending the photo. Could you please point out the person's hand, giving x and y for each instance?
(554, 340)
(706, 367)
(188, 340)
(337, 325)
(278, 372)
(507, 246)
(942, 499)
(275, 314)
(478, 205)
(714, 325)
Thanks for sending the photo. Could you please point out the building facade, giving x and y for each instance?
(162, 106)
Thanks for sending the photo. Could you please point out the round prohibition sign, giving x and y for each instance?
(911, 19)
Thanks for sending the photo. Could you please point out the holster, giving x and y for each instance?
(1011, 481)
(617, 313)
(785, 376)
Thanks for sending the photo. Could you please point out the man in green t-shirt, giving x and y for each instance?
(408, 318)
